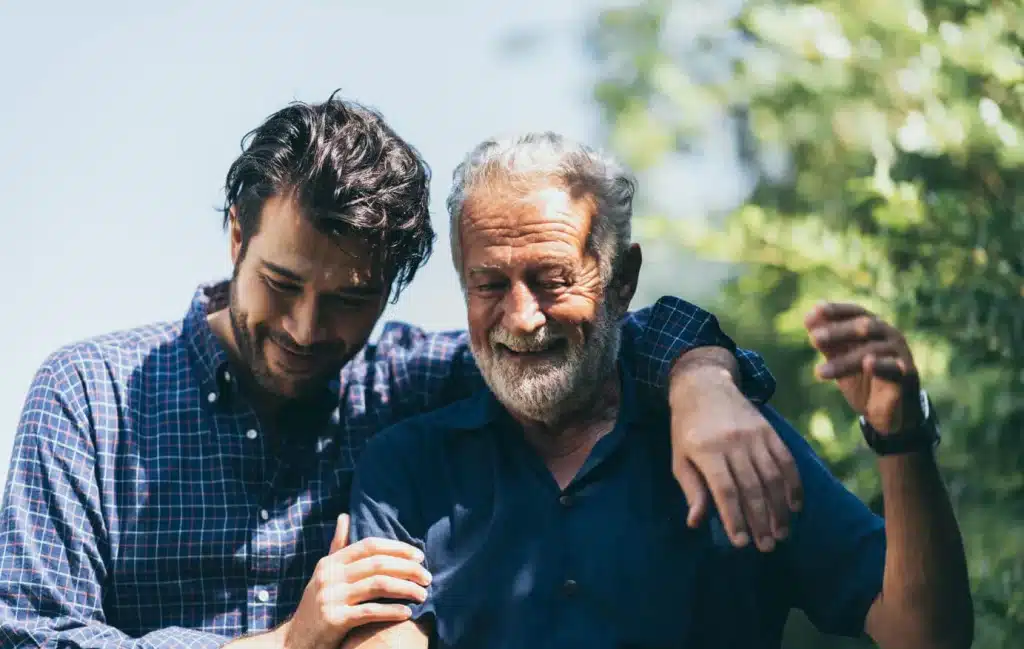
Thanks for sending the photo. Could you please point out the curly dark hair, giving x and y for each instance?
(350, 174)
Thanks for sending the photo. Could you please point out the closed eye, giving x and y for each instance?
(279, 286)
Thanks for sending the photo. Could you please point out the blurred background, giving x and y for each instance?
(788, 152)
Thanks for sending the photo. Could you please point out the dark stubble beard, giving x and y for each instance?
(251, 351)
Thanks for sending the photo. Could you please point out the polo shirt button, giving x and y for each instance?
(263, 596)
(565, 500)
(570, 587)
(251, 433)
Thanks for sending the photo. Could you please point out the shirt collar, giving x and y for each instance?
(209, 358)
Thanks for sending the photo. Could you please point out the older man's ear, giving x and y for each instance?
(624, 283)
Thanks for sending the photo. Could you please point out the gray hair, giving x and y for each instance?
(550, 155)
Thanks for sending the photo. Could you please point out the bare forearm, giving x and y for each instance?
(403, 635)
(702, 362)
(925, 599)
(269, 640)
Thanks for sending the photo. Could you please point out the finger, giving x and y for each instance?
(370, 613)
(383, 587)
(852, 362)
(889, 368)
(824, 312)
(835, 335)
(695, 490)
(726, 494)
(382, 564)
(753, 500)
(790, 474)
(340, 539)
(771, 479)
(371, 546)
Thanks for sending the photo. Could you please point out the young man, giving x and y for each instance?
(544, 506)
(177, 485)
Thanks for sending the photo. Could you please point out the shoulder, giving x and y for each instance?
(117, 352)
(424, 435)
(401, 337)
(99, 369)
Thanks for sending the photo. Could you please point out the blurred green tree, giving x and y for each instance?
(887, 143)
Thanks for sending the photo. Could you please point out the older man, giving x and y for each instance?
(544, 506)
(176, 485)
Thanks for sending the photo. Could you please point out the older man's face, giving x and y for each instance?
(542, 330)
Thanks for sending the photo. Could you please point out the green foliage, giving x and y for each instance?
(889, 141)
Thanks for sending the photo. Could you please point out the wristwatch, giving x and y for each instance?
(924, 437)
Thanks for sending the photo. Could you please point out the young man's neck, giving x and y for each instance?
(266, 405)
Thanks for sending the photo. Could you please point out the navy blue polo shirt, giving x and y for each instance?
(608, 562)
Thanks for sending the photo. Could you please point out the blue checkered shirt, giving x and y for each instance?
(146, 507)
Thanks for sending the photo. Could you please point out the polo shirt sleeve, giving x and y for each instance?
(383, 500)
(836, 551)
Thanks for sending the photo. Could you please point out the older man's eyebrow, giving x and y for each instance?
(484, 269)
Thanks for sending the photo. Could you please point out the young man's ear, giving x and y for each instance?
(235, 234)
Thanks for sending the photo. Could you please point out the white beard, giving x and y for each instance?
(547, 390)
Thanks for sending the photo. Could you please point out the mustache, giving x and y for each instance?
(538, 341)
(286, 342)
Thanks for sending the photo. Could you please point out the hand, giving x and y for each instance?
(870, 361)
(339, 596)
(721, 442)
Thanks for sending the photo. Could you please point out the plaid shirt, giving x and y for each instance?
(145, 506)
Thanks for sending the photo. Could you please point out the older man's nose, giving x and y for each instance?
(523, 314)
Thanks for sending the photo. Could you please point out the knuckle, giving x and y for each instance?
(336, 616)
(772, 478)
(371, 545)
(728, 492)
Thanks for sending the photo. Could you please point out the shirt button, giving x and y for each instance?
(263, 596)
(565, 500)
(264, 514)
(212, 397)
(570, 587)
(251, 433)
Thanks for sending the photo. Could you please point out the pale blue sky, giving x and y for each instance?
(119, 121)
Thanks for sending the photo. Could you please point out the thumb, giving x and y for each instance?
(696, 491)
(340, 534)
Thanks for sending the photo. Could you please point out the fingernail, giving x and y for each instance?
(740, 540)
(418, 557)
(825, 371)
(819, 335)
(766, 544)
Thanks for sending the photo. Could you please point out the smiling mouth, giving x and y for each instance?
(556, 347)
(299, 361)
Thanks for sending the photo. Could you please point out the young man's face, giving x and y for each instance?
(302, 302)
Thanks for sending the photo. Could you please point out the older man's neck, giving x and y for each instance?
(565, 444)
